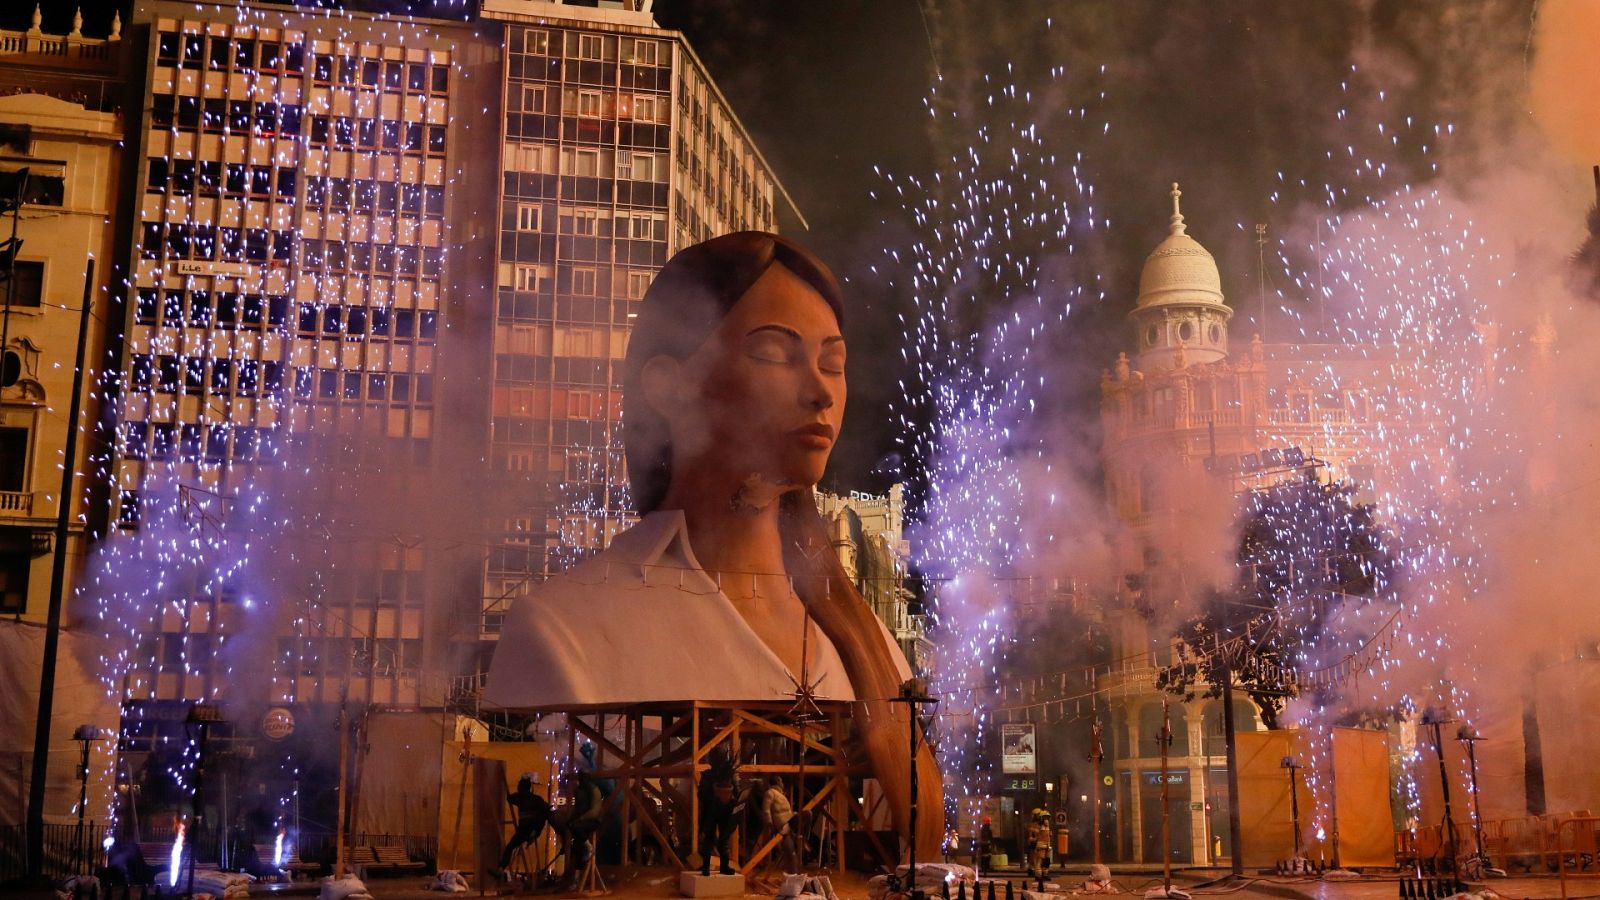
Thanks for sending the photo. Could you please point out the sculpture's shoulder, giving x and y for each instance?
(634, 563)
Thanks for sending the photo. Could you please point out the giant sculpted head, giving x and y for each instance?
(736, 365)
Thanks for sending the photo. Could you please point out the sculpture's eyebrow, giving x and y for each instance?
(786, 330)
(781, 329)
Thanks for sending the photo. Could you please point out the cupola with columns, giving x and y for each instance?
(1180, 318)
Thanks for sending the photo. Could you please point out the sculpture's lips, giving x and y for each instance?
(819, 434)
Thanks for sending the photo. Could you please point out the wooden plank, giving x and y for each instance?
(785, 731)
(602, 743)
(648, 817)
(872, 836)
(701, 751)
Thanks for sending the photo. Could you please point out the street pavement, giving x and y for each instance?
(1130, 883)
(658, 883)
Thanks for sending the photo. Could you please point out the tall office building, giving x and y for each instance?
(302, 242)
(618, 151)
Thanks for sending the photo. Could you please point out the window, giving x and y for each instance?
(13, 459)
(29, 285)
(533, 41)
(638, 283)
(527, 278)
(583, 221)
(528, 216)
(161, 440)
(222, 377)
(590, 46)
(135, 437)
(128, 509)
(586, 162)
(647, 108)
(146, 306)
(644, 167)
(583, 282)
(168, 382)
(646, 53)
(16, 556)
(589, 104)
(533, 98)
(140, 371)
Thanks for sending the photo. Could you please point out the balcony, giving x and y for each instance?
(16, 503)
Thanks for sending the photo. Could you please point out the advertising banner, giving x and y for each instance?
(1017, 750)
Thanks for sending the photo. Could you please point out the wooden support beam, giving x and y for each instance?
(784, 730)
(648, 818)
(872, 836)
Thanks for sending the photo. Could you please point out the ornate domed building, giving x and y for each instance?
(1181, 316)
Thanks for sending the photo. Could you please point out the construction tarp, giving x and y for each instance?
(457, 788)
(1569, 733)
(1265, 811)
(1362, 781)
(398, 770)
(80, 699)
(1352, 792)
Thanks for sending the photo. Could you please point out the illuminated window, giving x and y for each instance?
(589, 104)
(533, 98)
(644, 167)
(527, 278)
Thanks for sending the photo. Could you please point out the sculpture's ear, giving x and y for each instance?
(665, 390)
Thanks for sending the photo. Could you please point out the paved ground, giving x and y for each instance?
(661, 882)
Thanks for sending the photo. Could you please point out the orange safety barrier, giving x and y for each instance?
(1581, 849)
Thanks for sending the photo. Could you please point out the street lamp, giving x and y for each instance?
(1468, 735)
(205, 715)
(1434, 718)
(914, 694)
(1288, 762)
(85, 734)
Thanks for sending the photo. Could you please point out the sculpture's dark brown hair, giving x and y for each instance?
(687, 301)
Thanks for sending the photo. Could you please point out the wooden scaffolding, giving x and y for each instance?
(667, 747)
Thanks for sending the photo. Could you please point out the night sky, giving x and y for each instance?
(1221, 95)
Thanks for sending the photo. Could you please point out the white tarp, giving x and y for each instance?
(643, 622)
(80, 699)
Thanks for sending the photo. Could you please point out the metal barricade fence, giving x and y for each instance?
(1581, 849)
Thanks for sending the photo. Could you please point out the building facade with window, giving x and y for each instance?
(618, 150)
(868, 534)
(301, 240)
(1189, 422)
(61, 120)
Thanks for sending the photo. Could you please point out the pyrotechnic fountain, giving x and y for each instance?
(175, 858)
(1402, 303)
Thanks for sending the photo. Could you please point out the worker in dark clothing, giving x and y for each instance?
(533, 813)
(588, 808)
(719, 810)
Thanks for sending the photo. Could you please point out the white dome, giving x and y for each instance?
(1179, 270)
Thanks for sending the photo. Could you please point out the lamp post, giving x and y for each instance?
(1434, 718)
(205, 715)
(913, 693)
(1096, 754)
(1288, 762)
(1468, 735)
(86, 735)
